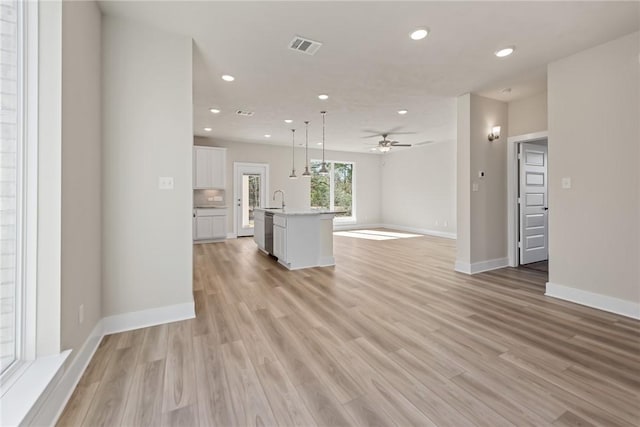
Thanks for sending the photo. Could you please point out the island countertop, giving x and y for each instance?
(292, 212)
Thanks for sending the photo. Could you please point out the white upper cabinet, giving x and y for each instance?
(209, 167)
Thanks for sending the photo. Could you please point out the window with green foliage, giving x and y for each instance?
(335, 190)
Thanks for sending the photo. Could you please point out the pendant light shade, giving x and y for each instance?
(306, 172)
(323, 170)
(293, 155)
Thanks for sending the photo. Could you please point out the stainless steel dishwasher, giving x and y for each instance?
(268, 232)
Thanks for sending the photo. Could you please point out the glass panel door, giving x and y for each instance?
(251, 191)
(251, 185)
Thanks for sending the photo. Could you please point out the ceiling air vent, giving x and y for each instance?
(244, 113)
(303, 45)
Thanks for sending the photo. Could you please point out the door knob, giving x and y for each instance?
(546, 209)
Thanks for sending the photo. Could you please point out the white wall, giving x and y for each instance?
(528, 115)
(418, 188)
(594, 139)
(81, 176)
(147, 133)
(367, 175)
(482, 218)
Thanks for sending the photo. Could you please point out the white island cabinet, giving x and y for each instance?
(258, 228)
(301, 238)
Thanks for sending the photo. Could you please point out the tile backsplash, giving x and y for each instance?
(208, 198)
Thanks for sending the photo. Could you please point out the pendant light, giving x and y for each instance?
(306, 172)
(293, 155)
(323, 170)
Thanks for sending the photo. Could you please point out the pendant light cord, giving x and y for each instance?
(306, 148)
(323, 114)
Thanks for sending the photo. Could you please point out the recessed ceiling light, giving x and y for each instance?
(505, 51)
(266, 135)
(318, 143)
(419, 34)
(214, 110)
(207, 129)
(228, 78)
(402, 112)
(288, 121)
(323, 96)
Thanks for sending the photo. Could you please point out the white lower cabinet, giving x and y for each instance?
(280, 242)
(210, 224)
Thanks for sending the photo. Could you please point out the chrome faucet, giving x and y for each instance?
(281, 192)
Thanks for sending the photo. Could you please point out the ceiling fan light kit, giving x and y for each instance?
(386, 145)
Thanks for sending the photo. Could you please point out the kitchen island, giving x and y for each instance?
(298, 238)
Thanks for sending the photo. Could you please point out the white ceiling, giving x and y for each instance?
(368, 64)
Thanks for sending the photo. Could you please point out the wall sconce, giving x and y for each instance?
(495, 133)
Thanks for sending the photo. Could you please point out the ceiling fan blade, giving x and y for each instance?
(401, 145)
(401, 133)
(423, 143)
(373, 133)
(392, 131)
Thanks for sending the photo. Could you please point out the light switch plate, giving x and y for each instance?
(566, 183)
(165, 183)
(474, 186)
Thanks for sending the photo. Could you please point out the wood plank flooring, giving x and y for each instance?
(389, 336)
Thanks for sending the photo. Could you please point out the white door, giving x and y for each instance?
(534, 230)
(250, 191)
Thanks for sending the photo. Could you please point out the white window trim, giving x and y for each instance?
(342, 219)
(25, 383)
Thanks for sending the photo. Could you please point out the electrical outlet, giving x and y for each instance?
(81, 314)
(566, 183)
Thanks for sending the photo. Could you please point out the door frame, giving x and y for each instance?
(513, 212)
(236, 188)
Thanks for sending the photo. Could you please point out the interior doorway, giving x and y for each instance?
(250, 187)
(528, 207)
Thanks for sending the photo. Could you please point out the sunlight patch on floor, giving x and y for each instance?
(375, 234)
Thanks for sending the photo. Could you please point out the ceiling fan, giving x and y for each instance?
(386, 145)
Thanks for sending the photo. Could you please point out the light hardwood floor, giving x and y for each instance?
(390, 336)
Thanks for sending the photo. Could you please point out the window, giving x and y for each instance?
(13, 182)
(9, 88)
(334, 191)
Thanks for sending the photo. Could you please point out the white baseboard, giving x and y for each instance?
(426, 231)
(462, 267)
(436, 233)
(53, 404)
(590, 299)
(145, 318)
(482, 266)
(345, 227)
